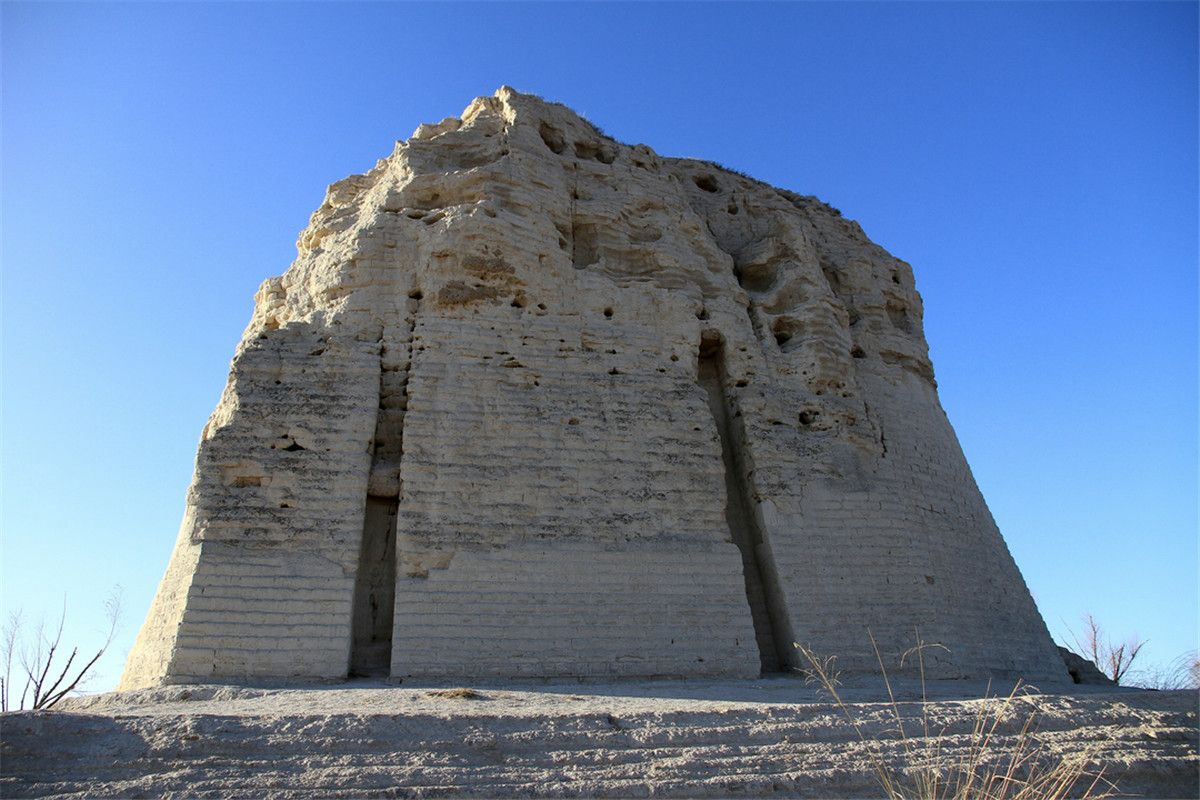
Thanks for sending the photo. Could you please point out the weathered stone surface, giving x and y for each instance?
(531, 402)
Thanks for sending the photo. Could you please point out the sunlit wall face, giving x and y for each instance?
(1036, 164)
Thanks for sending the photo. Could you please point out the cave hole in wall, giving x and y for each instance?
(763, 593)
(553, 137)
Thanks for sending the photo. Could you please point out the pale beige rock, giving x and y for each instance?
(531, 402)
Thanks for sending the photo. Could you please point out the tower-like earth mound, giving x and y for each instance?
(534, 403)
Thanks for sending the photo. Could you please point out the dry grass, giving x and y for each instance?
(459, 693)
(995, 765)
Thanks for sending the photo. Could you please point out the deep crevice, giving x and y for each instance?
(373, 612)
(763, 592)
(375, 591)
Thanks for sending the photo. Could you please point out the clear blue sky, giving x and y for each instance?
(1035, 163)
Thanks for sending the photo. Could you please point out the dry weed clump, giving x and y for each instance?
(459, 693)
(997, 762)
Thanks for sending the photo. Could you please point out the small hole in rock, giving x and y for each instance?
(807, 417)
(553, 138)
(608, 313)
(706, 182)
(245, 482)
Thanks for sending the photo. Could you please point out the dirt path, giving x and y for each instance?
(663, 739)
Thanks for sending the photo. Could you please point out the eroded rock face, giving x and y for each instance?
(531, 402)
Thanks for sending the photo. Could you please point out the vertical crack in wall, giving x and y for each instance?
(762, 584)
(375, 591)
(585, 249)
(375, 581)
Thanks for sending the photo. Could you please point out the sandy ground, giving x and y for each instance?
(777, 736)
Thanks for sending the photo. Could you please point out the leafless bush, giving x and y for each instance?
(37, 656)
(1113, 658)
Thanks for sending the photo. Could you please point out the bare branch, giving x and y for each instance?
(8, 648)
(42, 700)
(50, 701)
(37, 657)
(52, 646)
(1112, 658)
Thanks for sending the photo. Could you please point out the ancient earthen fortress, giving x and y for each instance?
(531, 402)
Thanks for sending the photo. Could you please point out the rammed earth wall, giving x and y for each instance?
(532, 403)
